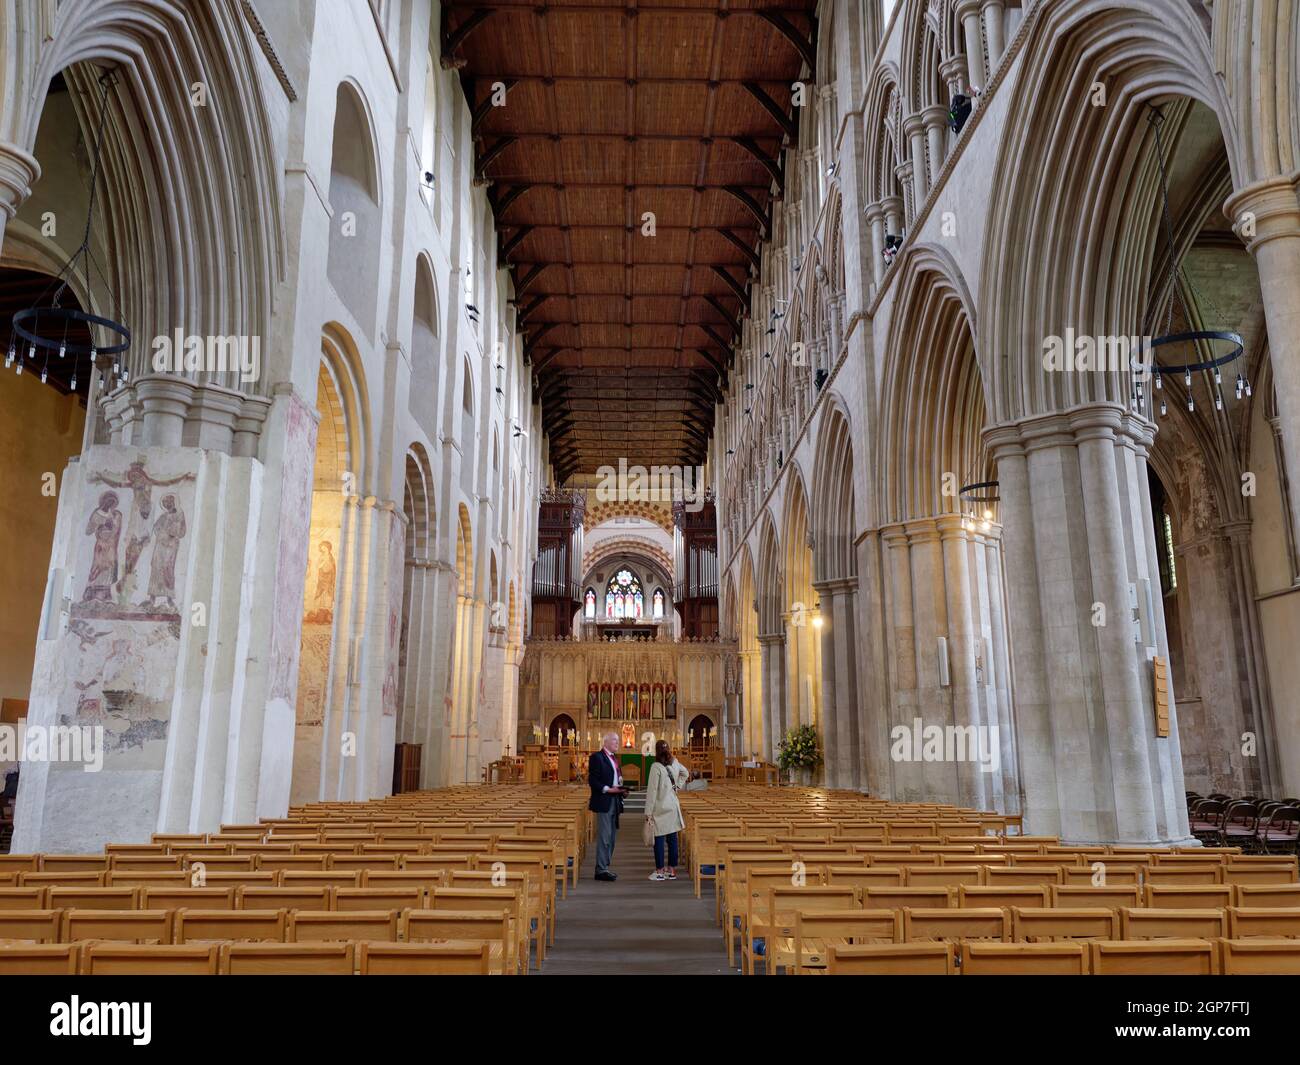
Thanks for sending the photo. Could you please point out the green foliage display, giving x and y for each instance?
(799, 749)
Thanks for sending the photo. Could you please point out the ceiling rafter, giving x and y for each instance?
(631, 342)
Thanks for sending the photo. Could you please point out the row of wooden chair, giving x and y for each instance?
(364, 958)
(1164, 957)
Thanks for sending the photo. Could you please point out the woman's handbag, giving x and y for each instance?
(648, 832)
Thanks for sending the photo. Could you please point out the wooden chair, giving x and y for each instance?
(1189, 896)
(772, 917)
(206, 898)
(133, 959)
(1237, 872)
(83, 879)
(1172, 924)
(34, 926)
(947, 876)
(298, 878)
(206, 926)
(1078, 896)
(1003, 897)
(1120, 877)
(892, 898)
(121, 926)
(1156, 957)
(1174, 875)
(1024, 875)
(1023, 959)
(424, 959)
(463, 926)
(505, 899)
(1254, 895)
(891, 959)
(1271, 922)
(256, 897)
(1055, 923)
(952, 923)
(310, 926)
(134, 878)
(376, 898)
(1260, 957)
(287, 959)
(94, 898)
(23, 898)
(816, 931)
(40, 959)
(74, 863)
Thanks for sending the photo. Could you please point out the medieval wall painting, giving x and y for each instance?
(318, 604)
(136, 527)
(291, 559)
(130, 546)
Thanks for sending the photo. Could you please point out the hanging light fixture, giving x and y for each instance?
(45, 325)
(979, 497)
(1204, 338)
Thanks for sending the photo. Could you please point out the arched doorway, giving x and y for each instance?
(697, 732)
(560, 727)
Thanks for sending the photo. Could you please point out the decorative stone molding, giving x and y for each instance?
(160, 410)
(19, 170)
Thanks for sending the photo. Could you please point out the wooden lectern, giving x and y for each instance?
(532, 763)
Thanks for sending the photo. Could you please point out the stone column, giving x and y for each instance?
(935, 120)
(962, 653)
(772, 654)
(914, 131)
(876, 220)
(1259, 709)
(894, 219)
(839, 681)
(904, 778)
(993, 31)
(968, 11)
(903, 172)
(19, 170)
(144, 648)
(1267, 216)
(953, 72)
(1075, 514)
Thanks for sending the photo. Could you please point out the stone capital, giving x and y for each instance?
(1275, 207)
(934, 115)
(914, 125)
(19, 170)
(967, 7)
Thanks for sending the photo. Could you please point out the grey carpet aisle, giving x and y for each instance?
(635, 926)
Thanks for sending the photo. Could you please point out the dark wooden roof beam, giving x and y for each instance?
(803, 45)
(787, 124)
(734, 285)
(453, 39)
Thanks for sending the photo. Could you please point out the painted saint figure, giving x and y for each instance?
(105, 525)
(326, 571)
(141, 486)
(168, 531)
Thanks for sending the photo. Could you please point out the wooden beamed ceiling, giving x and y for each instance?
(676, 108)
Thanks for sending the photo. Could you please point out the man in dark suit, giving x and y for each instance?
(607, 791)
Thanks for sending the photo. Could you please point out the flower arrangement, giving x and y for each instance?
(799, 749)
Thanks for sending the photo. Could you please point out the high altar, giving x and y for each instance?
(633, 687)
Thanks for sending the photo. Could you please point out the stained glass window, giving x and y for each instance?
(658, 605)
(623, 596)
(589, 605)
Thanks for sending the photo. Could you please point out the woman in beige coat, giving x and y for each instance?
(662, 810)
